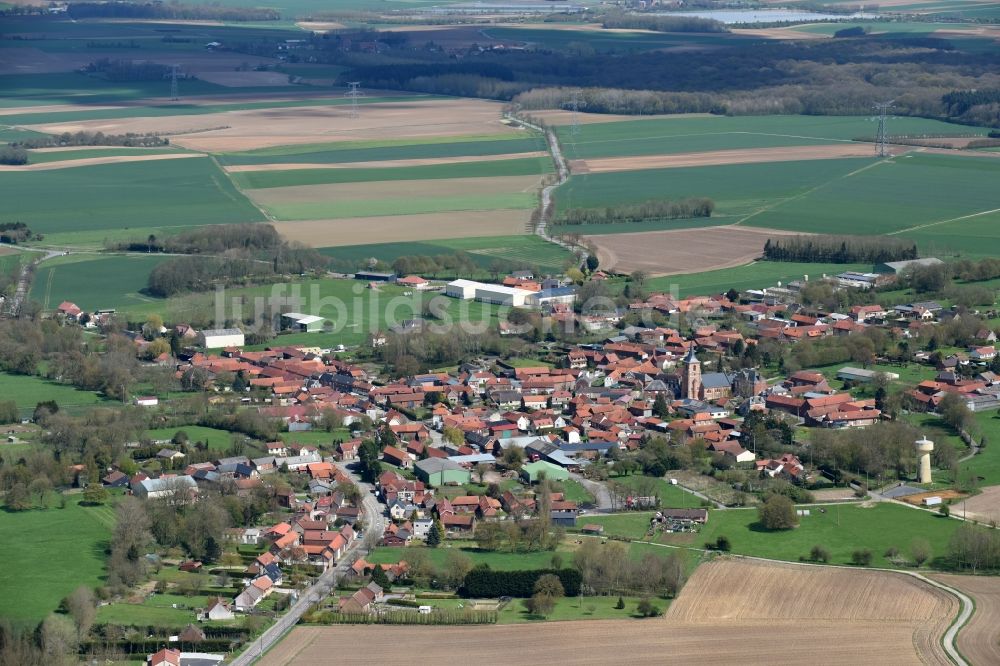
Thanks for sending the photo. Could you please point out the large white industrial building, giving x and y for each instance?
(220, 338)
(496, 294)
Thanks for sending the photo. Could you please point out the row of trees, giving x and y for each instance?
(236, 267)
(656, 209)
(213, 239)
(609, 569)
(81, 138)
(839, 249)
(128, 70)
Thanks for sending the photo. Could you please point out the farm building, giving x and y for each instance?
(441, 471)
(685, 515)
(488, 293)
(413, 282)
(566, 295)
(849, 374)
(219, 338)
(369, 276)
(897, 267)
(296, 321)
(533, 472)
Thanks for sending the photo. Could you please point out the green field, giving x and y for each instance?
(350, 152)
(842, 529)
(514, 250)
(670, 495)
(756, 275)
(116, 197)
(402, 205)
(28, 391)
(514, 167)
(737, 189)
(217, 440)
(684, 134)
(893, 196)
(94, 281)
(49, 554)
(44, 156)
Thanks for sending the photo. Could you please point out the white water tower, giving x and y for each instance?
(924, 447)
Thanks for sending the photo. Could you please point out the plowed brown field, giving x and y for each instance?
(731, 612)
(681, 251)
(979, 640)
(395, 228)
(260, 128)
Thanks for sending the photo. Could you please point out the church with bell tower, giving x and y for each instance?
(691, 376)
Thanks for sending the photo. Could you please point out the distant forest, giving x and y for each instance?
(928, 77)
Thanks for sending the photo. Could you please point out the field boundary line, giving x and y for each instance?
(232, 181)
(934, 224)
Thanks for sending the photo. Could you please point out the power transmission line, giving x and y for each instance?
(882, 135)
(174, 90)
(354, 93)
(575, 105)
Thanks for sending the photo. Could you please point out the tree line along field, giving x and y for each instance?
(689, 134)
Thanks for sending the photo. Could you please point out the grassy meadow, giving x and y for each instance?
(51, 552)
(28, 391)
(842, 529)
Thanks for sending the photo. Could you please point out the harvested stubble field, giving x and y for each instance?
(233, 131)
(979, 640)
(681, 251)
(850, 617)
(428, 226)
(717, 157)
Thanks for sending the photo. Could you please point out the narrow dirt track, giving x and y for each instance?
(979, 640)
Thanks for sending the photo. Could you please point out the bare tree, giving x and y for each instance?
(82, 608)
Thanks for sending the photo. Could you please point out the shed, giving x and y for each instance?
(441, 471)
(533, 472)
(296, 321)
